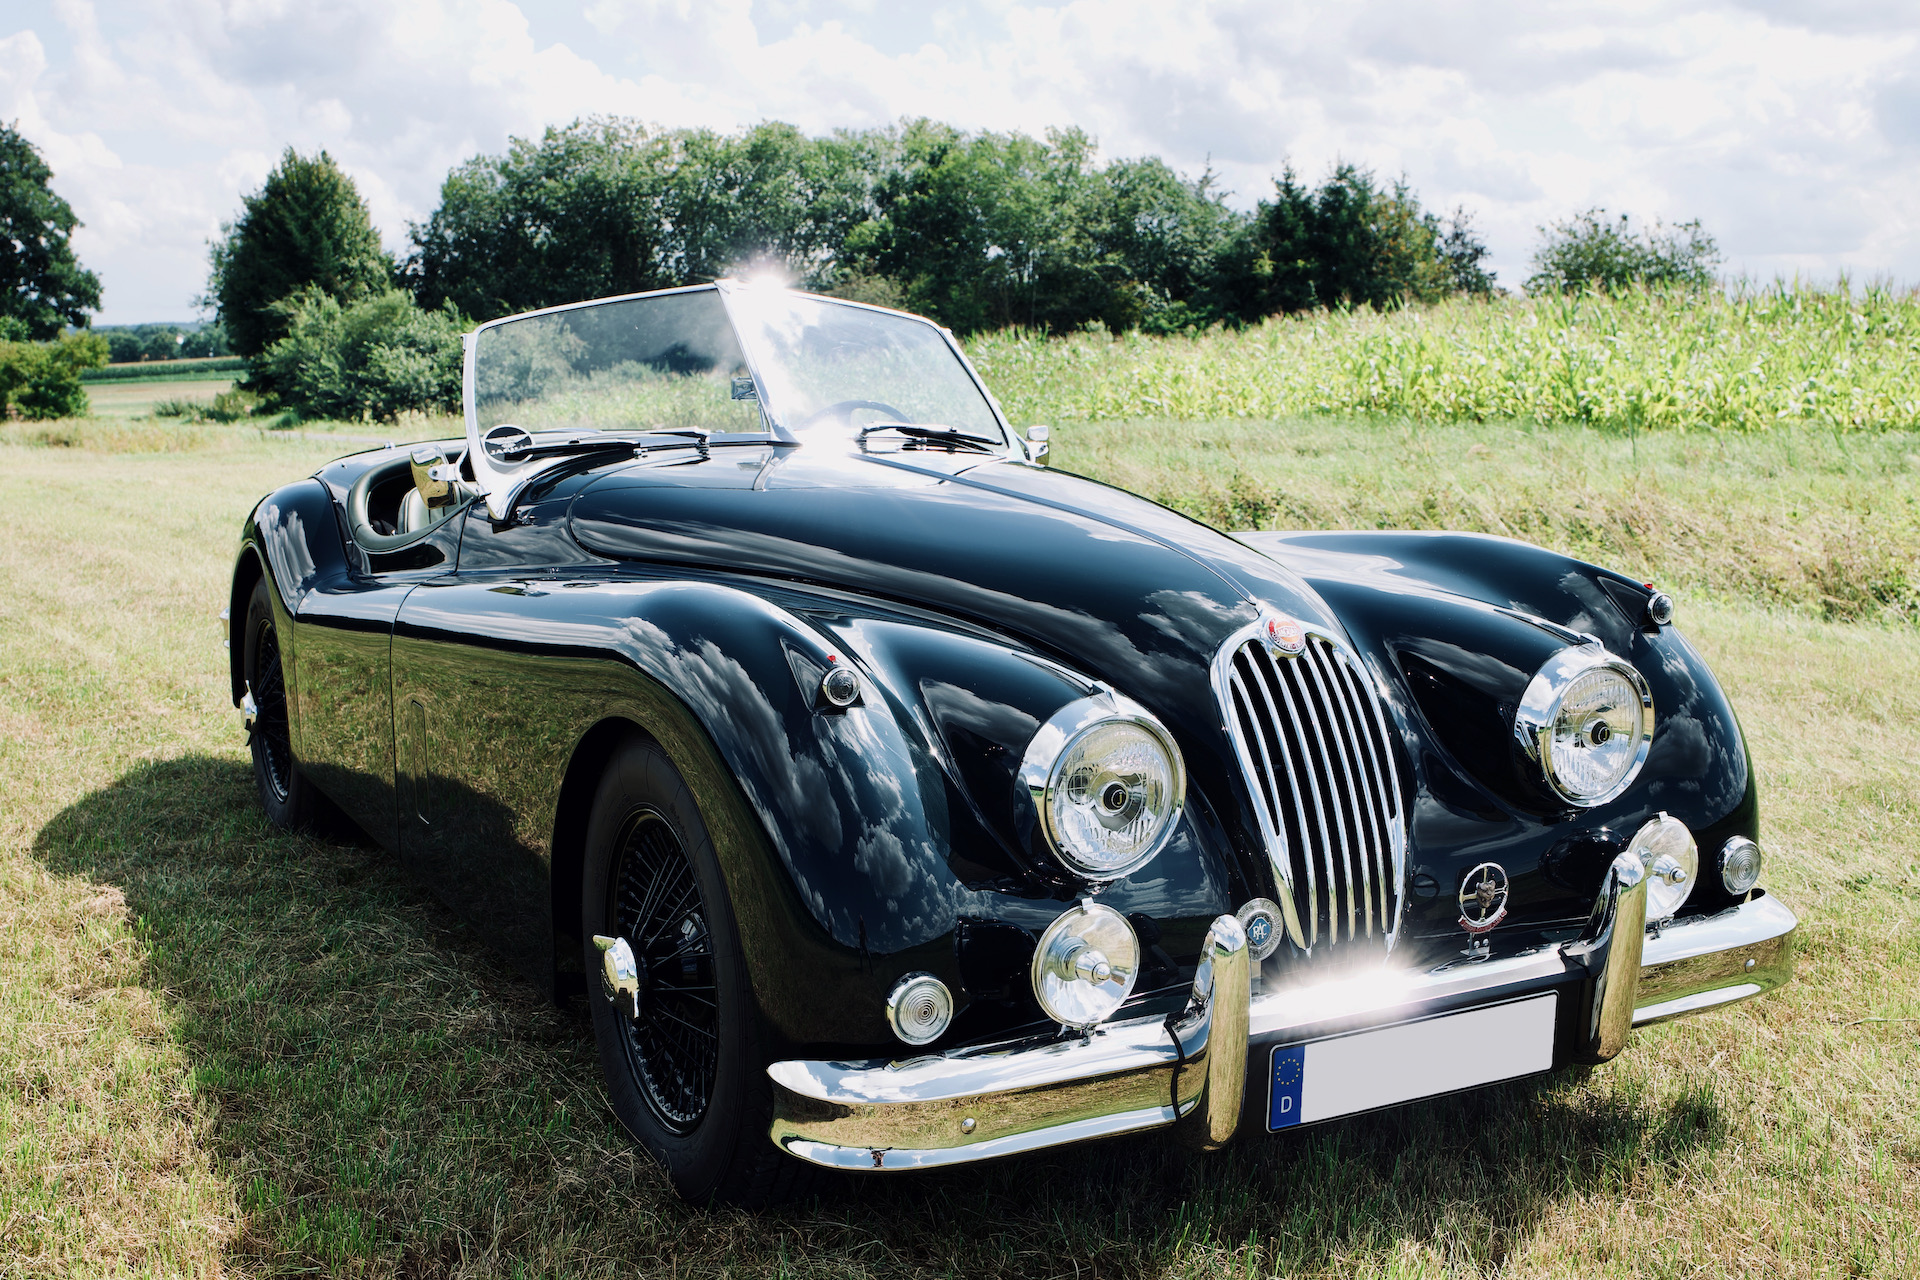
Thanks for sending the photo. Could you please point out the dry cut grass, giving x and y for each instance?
(225, 1051)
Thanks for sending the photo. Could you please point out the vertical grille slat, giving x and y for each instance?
(1311, 735)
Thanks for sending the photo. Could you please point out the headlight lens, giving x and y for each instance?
(1587, 720)
(1107, 786)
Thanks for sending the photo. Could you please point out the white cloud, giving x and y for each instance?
(1789, 127)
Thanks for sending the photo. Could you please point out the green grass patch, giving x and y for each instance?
(224, 1050)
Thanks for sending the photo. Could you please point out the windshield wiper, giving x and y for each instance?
(520, 446)
(920, 436)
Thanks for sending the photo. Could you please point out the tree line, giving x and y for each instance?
(980, 230)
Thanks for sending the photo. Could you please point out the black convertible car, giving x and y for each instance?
(897, 801)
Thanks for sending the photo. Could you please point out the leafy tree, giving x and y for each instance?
(1351, 242)
(1594, 250)
(42, 379)
(375, 358)
(42, 285)
(306, 227)
(607, 206)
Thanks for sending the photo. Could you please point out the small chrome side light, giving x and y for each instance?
(840, 687)
(1085, 965)
(1660, 608)
(1740, 865)
(919, 1008)
(1261, 919)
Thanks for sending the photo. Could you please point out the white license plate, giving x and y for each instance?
(1364, 1070)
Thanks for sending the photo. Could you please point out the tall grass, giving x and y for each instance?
(1645, 360)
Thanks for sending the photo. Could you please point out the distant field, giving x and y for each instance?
(129, 398)
(225, 1051)
(165, 370)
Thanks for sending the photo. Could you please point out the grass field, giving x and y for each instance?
(225, 1051)
(125, 400)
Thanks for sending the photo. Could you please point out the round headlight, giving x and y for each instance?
(1740, 865)
(1667, 850)
(1085, 965)
(1587, 720)
(1107, 786)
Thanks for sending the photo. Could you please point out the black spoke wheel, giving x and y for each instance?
(289, 799)
(685, 1070)
(674, 1043)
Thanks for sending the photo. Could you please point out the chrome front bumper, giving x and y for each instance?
(1189, 1072)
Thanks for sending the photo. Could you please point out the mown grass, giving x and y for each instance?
(1645, 360)
(229, 1051)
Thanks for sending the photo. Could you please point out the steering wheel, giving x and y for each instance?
(845, 408)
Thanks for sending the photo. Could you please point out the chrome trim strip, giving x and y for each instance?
(1648, 1014)
(851, 1158)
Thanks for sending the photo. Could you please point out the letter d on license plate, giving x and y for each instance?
(1341, 1075)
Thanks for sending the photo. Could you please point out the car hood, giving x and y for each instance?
(1115, 586)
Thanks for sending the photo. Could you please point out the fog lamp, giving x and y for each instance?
(919, 1008)
(1085, 965)
(1667, 851)
(1740, 865)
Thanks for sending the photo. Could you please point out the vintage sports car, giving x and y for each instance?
(894, 800)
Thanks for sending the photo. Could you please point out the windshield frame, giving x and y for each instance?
(501, 484)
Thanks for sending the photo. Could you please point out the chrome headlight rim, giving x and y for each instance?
(1041, 776)
(1540, 706)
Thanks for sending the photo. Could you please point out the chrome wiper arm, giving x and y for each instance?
(525, 448)
(936, 436)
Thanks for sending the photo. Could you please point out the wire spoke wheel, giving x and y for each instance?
(270, 728)
(674, 1045)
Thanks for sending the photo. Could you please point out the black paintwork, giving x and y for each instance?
(456, 698)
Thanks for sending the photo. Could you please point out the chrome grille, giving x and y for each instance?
(1312, 740)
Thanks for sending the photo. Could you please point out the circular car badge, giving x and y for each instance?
(1483, 898)
(1285, 636)
(1261, 919)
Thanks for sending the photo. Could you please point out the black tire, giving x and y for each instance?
(290, 800)
(687, 1077)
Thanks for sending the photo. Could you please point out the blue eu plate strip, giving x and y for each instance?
(1289, 1069)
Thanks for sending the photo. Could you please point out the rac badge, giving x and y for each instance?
(1483, 898)
(1285, 636)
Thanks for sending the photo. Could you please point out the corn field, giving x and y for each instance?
(1740, 359)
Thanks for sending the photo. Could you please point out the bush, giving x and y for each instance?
(228, 406)
(42, 379)
(374, 359)
(1590, 250)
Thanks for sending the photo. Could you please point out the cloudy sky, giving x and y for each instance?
(1792, 128)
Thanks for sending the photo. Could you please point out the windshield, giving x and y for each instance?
(828, 366)
(665, 362)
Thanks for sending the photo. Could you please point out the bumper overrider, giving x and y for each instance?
(1191, 1071)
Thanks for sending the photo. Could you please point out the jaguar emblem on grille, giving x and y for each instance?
(1285, 636)
(1483, 898)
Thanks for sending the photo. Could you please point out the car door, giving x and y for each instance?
(343, 635)
(486, 717)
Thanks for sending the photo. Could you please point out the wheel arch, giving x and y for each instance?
(572, 808)
(247, 573)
